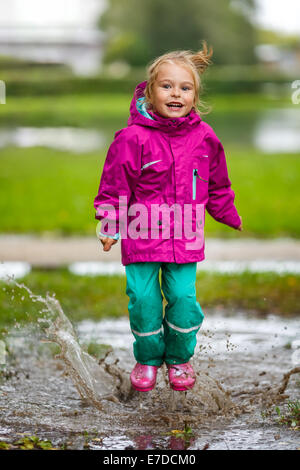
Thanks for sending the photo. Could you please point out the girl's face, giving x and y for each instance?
(173, 91)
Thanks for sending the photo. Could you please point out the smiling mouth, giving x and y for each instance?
(174, 105)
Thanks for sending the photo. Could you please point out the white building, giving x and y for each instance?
(60, 31)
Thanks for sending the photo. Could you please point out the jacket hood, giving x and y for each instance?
(140, 115)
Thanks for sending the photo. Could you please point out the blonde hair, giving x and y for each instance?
(196, 62)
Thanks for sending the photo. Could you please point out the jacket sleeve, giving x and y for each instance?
(121, 170)
(220, 195)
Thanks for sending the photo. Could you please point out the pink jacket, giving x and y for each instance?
(158, 178)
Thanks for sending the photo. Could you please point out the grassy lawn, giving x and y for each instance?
(100, 297)
(44, 190)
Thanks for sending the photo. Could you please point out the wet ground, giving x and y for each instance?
(78, 402)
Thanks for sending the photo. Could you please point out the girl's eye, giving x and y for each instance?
(185, 88)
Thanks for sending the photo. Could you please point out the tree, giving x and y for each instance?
(140, 30)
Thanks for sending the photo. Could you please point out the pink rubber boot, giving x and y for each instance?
(181, 376)
(143, 377)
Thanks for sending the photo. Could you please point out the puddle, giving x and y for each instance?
(95, 268)
(70, 139)
(81, 401)
(278, 130)
(92, 268)
(17, 269)
(222, 335)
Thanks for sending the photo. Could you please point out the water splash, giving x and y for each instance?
(95, 382)
(106, 380)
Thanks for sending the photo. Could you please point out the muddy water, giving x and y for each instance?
(77, 401)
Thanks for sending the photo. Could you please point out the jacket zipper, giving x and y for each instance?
(195, 175)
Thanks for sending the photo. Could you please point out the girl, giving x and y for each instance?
(167, 161)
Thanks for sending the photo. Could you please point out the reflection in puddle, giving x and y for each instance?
(96, 268)
(112, 443)
(61, 138)
(278, 130)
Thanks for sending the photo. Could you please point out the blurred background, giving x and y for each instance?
(68, 69)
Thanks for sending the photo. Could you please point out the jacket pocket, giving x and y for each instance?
(196, 175)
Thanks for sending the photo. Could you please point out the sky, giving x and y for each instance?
(279, 15)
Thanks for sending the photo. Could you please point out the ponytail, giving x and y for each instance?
(201, 59)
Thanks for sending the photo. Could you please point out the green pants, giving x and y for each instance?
(169, 338)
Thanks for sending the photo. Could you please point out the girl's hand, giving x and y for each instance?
(240, 228)
(107, 242)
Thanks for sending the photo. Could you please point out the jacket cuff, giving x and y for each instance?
(115, 237)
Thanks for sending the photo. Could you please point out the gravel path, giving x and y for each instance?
(50, 251)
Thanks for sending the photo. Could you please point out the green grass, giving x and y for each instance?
(247, 102)
(93, 110)
(44, 190)
(267, 192)
(263, 293)
(291, 417)
(84, 297)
